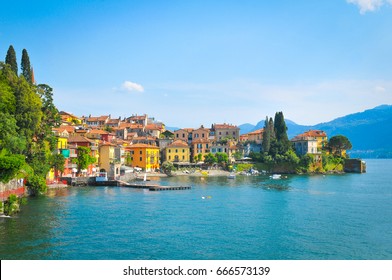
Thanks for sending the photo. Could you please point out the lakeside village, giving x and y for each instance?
(43, 148)
(98, 149)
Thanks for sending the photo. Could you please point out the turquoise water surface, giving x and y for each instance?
(300, 217)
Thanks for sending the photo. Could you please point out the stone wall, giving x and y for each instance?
(15, 186)
(354, 166)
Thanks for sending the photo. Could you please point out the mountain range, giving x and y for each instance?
(370, 131)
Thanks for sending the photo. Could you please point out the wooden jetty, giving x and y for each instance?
(152, 187)
(169, 188)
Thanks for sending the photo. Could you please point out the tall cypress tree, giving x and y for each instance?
(10, 59)
(266, 144)
(271, 127)
(26, 67)
(281, 132)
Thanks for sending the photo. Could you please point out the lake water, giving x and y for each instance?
(300, 217)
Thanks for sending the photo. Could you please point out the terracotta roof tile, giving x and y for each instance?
(178, 143)
(141, 145)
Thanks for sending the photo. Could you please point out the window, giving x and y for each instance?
(183, 157)
(169, 151)
(202, 135)
(141, 159)
(141, 152)
(176, 150)
(183, 135)
(169, 157)
(183, 150)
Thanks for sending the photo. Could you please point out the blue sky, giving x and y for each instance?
(189, 63)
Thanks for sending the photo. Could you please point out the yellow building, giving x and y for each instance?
(69, 118)
(178, 151)
(107, 160)
(62, 136)
(144, 156)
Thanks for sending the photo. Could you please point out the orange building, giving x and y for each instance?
(144, 156)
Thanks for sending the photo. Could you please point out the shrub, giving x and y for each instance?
(11, 206)
(36, 184)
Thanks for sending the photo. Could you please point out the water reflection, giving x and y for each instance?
(30, 234)
(276, 187)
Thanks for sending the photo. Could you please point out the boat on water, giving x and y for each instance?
(231, 176)
(276, 176)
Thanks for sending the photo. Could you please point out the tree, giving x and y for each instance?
(198, 157)
(281, 132)
(210, 159)
(26, 67)
(238, 155)
(10, 59)
(84, 159)
(28, 113)
(10, 166)
(222, 158)
(9, 138)
(168, 168)
(50, 116)
(338, 144)
(266, 144)
(36, 184)
(7, 97)
(57, 161)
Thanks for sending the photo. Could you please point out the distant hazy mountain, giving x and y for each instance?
(171, 128)
(370, 132)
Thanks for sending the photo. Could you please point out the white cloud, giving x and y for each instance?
(131, 86)
(369, 5)
(380, 89)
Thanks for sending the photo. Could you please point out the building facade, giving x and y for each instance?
(178, 151)
(144, 156)
(228, 131)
